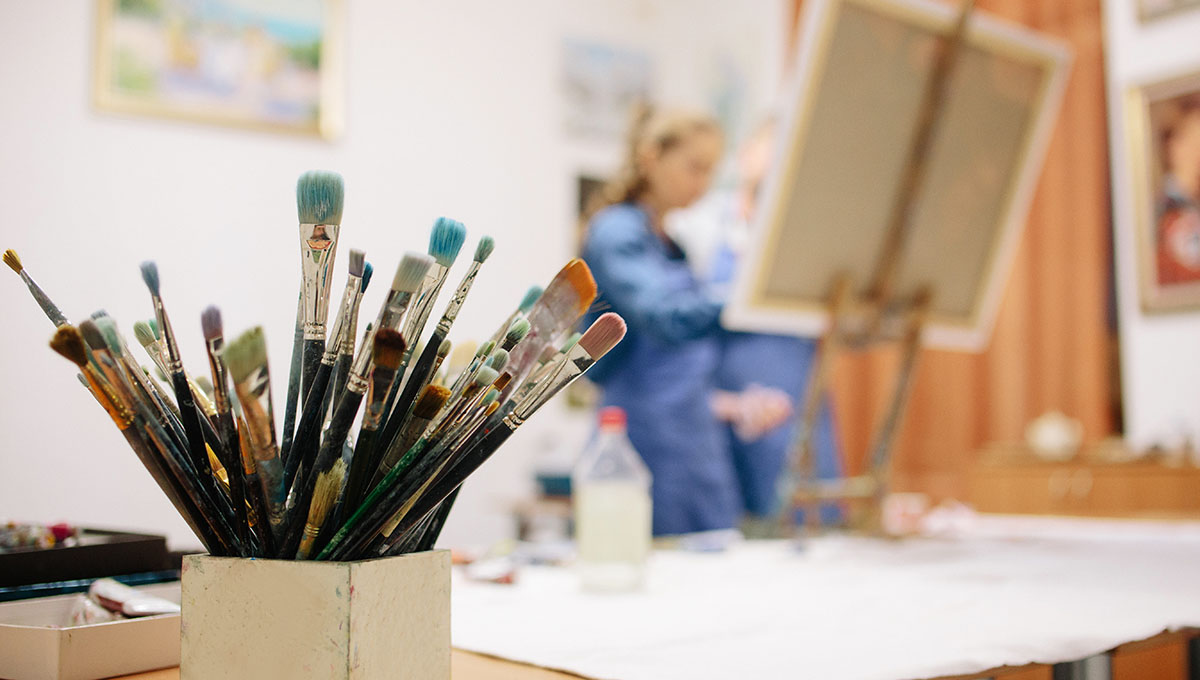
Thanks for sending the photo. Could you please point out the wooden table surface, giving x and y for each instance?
(463, 666)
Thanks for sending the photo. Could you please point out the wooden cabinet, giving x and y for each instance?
(1140, 489)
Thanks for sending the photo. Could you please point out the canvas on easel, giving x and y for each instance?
(860, 73)
(910, 154)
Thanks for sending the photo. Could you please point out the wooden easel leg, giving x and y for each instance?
(801, 468)
(880, 460)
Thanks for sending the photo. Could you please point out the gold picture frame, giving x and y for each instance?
(1168, 215)
(861, 71)
(275, 67)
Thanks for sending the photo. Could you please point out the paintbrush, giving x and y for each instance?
(324, 496)
(432, 398)
(598, 340)
(466, 374)
(409, 274)
(423, 370)
(259, 511)
(68, 342)
(188, 414)
(214, 342)
(51, 311)
(345, 357)
(562, 303)
(460, 358)
(384, 352)
(442, 352)
(246, 358)
(320, 197)
(292, 406)
(527, 302)
(308, 429)
(545, 365)
(415, 455)
(445, 241)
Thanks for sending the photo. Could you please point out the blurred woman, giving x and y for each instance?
(662, 373)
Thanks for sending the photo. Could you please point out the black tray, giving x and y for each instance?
(99, 553)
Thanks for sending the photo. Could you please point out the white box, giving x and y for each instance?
(266, 619)
(35, 646)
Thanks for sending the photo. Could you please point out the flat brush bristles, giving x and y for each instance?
(92, 335)
(410, 273)
(11, 259)
(484, 248)
(143, 333)
(368, 271)
(389, 349)
(210, 323)
(516, 332)
(432, 398)
(446, 239)
(579, 276)
(68, 341)
(358, 260)
(320, 197)
(245, 354)
(604, 334)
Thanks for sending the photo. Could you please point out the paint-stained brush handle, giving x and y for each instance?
(292, 406)
(417, 379)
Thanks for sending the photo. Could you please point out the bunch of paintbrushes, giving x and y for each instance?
(312, 489)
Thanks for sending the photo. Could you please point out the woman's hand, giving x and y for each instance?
(754, 411)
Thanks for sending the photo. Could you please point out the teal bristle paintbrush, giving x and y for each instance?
(51, 311)
(214, 342)
(423, 370)
(188, 413)
(527, 302)
(381, 353)
(246, 358)
(320, 197)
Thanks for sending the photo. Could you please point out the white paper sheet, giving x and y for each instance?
(1015, 591)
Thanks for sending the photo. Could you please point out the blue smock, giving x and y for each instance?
(783, 362)
(662, 373)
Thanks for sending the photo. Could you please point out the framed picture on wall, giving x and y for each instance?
(257, 64)
(853, 109)
(1149, 10)
(1164, 134)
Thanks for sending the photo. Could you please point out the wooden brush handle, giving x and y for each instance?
(308, 430)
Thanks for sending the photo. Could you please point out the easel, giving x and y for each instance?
(880, 316)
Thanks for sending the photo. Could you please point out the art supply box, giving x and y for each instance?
(255, 619)
(34, 644)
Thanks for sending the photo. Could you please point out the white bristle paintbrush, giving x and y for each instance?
(189, 414)
(409, 275)
(320, 197)
(39, 296)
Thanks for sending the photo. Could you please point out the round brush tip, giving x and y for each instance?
(210, 322)
(150, 276)
(530, 299)
(517, 331)
(483, 249)
(143, 333)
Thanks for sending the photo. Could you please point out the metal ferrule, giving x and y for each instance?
(389, 317)
(318, 246)
(347, 344)
(572, 365)
(423, 305)
(460, 296)
(337, 334)
(220, 381)
(356, 383)
(174, 363)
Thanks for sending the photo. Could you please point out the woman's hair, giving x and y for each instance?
(657, 130)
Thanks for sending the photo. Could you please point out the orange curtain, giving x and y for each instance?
(1051, 346)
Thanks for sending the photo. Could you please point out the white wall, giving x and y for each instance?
(1160, 366)
(452, 109)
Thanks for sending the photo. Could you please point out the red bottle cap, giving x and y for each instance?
(612, 416)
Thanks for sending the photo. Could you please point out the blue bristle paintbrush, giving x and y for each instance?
(39, 296)
(214, 342)
(422, 371)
